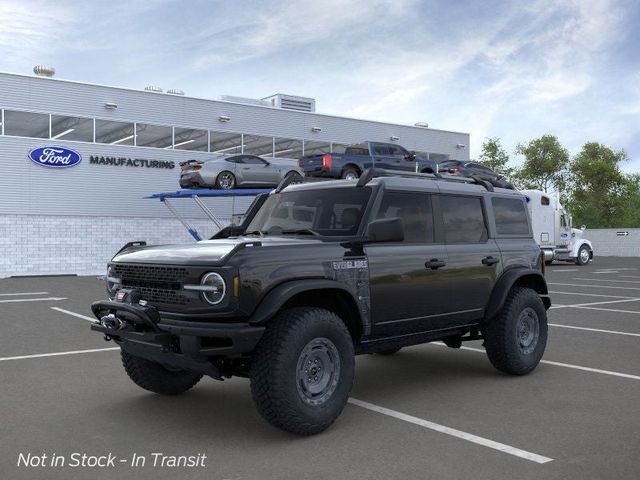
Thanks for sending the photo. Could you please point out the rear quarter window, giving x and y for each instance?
(511, 216)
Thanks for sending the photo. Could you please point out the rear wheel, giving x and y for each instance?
(350, 173)
(583, 255)
(302, 370)
(157, 378)
(516, 338)
(295, 176)
(225, 180)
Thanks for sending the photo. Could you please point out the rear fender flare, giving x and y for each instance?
(525, 276)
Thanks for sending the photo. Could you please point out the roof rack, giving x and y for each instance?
(487, 182)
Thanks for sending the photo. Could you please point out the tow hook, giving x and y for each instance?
(112, 322)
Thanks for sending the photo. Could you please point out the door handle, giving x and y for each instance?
(434, 264)
(490, 261)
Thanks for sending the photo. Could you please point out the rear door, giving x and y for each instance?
(474, 258)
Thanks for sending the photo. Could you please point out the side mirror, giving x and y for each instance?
(385, 230)
(411, 156)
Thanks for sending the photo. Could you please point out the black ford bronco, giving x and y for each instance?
(320, 272)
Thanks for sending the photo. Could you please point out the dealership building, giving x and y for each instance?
(129, 144)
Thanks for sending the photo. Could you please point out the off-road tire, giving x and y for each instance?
(156, 378)
(389, 351)
(220, 179)
(579, 260)
(275, 386)
(503, 334)
(350, 172)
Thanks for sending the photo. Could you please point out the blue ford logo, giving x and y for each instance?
(56, 157)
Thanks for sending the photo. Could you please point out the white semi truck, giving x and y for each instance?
(553, 232)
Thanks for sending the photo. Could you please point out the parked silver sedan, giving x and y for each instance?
(231, 171)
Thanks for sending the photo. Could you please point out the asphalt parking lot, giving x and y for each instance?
(427, 412)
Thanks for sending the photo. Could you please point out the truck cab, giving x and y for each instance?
(553, 232)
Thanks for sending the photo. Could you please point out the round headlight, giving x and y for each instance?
(214, 288)
(112, 282)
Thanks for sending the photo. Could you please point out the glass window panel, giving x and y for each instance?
(257, 145)
(115, 133)
(316, 148)
(72, 128)
(338, 147)
(415, 213)
(511, 216)
(463, 219)
(26, 124)
(225, 143)
(287, 148)
(190, 139)
(157, 136)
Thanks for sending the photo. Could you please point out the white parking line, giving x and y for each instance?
(559, 364)
(533, 457)
(629, 276)
(569, 270)
(48, 299)
(594, 286)
(73, 314)
(23, 293)
(605, 280)
(610, 310)
(589, 294)
(598, 330)
(633, 299)
(56, 354)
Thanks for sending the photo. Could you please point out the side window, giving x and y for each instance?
(511, 216)
(253, 160)
(544, 200)
(381, 149)
(234, 160)
(398, 151)
(463, 219)
(415, 212)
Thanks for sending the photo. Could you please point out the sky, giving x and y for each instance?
(509, 69)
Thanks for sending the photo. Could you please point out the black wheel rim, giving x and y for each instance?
(528, 330)
(318, 371)
(225, 180)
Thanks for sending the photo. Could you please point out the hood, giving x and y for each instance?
(206, 252)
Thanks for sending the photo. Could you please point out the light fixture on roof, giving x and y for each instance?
(316, 129)
(153, 88)
(394, 138)
(224, 118)
(461, 145)
(111, 105)
(44, 71)
(421, 124)
(175, 91)
(62, 134)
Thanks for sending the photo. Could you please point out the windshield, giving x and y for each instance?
(331, 212)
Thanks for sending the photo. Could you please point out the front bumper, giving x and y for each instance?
(177, 343)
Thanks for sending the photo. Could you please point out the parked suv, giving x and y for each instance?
(324, 271)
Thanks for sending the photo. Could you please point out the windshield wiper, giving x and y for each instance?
(302, 231)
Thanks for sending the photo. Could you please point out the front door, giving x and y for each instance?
(408, 294)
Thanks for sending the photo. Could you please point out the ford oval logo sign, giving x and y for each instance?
(55, 157)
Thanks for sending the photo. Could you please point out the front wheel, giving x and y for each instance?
(157, 378)
(225, 180)
(516, 338)
(583, 255)
(295, 177)
(302, 370)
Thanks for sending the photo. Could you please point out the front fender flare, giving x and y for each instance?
(580, 243)
(273, 300)
(528, 277)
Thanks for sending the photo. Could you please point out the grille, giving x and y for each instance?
(157, 284)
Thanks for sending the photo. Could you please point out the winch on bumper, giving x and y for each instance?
(139, 330)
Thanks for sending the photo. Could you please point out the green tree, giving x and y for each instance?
(545, 166)
(495, 157)
(601, 193)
